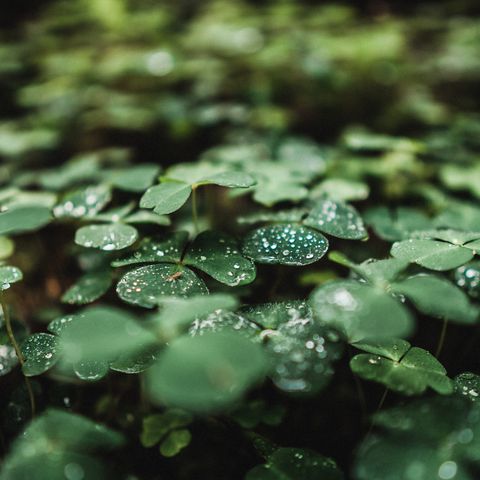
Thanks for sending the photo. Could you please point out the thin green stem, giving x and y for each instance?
(441, 340)
(194, 208)
(18, 351)
(360, 392)
(379, 407)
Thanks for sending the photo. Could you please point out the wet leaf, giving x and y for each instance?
(358, 311)
(206, 373)
(41, 352)
(285, 244)
(115, 236)
(468, 385)
(9, 275)
(218, 255)
(337, 219)
(467, 277)
(168, 249)
(296, 464)
(432, 254)
(85, 202)
(404, 369)
(145, 286)
(166, 198)
(88, 289)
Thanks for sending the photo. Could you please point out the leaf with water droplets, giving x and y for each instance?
(432, 254)
(168, 249)
(230, 179)
(136, 178)
(296, 464)
(137, 361)
(167, 197)
(437, 297)
(302, 354)
(85, 202)
(468, 385)
(206, 373)
(408, 372)
(178, 313)
(397, 224)
(337, 219)
(9, 275)
(145, 286)
(285, 244)
(114, 236)
(358, 311)
(88, 289)
(90, 370)
(467, 277)
(41, 352)
(224, 321)
(434, 438)
(218, 255)
(272, 315)
(24, 219)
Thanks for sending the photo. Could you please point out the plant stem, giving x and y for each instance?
(441, 340)
(194, 209)
(18, 352)
(360, 392)
(379, 407)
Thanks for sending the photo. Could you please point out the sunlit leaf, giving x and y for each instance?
(114, 236)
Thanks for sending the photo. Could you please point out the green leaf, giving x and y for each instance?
(137, 361)
(222, 320)
(7, 247)
(166, 198)
(411, 374)
(145, 286)
(230, 179)
(206, 373)
(218, 255)
(9, 275)
(358, 311)
(165, 249)
(285, 244)
(136, 178)
(60, 444)
(435, 438)
(296, 464)
(341, 189)
(397, 224)
(293, 215)
(337, 219)
(437, 297)
(467, 277)
(432, 254)
(175, 442)
(85, 202)
(88, 289)
(177, 313)
(100, 335)
(41, 352)
(468, 385)
(24, 219)
(147, 217)
(156, 427)
(115, 236)
(272, 315)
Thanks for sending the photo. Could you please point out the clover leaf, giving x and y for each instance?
(401, 367)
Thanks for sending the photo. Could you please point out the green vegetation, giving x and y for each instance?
(239, 240)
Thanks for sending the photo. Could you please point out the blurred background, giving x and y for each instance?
(162, 81)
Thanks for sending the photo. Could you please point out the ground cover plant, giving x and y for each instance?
(238, 240)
